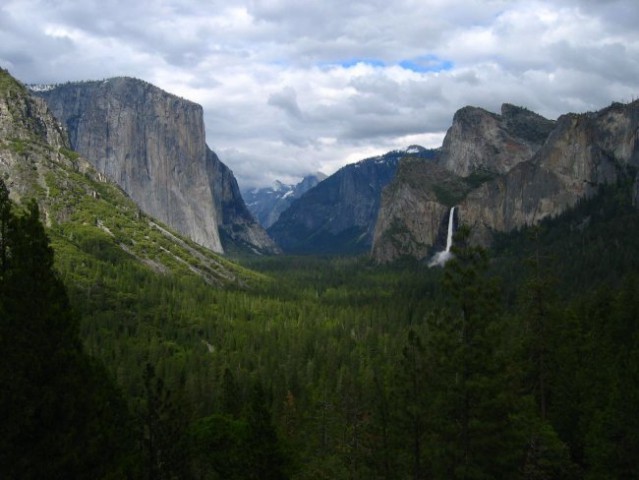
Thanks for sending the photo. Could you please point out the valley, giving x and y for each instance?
(514, 359)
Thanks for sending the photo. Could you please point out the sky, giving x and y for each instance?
(291, 87)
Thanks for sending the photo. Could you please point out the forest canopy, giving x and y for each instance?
(514, 362)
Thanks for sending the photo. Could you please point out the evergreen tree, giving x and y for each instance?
(547, 457)
(610, 381)
(413, 388)
(220, 448)
(474, 401)
(165, 441)
(62, 417)
(231, 400)
(5, 219)
(265, 456)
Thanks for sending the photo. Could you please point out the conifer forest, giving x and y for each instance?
(520, 361)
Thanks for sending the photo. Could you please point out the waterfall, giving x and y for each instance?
(451, 221)
(440, 258)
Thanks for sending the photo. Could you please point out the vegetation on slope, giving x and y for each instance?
(324, 367)
(354, 365)
(62, 415)
(337, 368)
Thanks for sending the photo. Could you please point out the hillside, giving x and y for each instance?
(338, 215)
(87, 215)
(152, 144)
(267, 203)
(517, 169)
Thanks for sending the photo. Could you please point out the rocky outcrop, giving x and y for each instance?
(88, 215)
(580, 153)
(238, 229)
(411, 212)
(584, 151)
(338, 215)
(152, 144)
(31, 141)
(481, 140)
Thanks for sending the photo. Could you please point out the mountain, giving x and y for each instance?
(152, 144)
(90, 219)
(504, 172)
(267, 204)
(481, 140)
(338, 215)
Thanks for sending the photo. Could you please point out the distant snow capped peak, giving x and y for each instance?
(34, 87)
(267, 203)
(279, 186)
(415, 149)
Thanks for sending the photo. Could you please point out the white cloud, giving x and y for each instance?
(292, 87)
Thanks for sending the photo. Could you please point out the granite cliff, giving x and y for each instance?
(152, 144)
(31, 141)
(89, 218)
(582, 152)
(504, 172)
(482, 140)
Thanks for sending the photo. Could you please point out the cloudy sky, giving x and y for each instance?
(291, 86)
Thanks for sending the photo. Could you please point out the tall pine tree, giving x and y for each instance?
(472, 400)
(61, 416)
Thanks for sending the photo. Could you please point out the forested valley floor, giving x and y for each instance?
(521, 361)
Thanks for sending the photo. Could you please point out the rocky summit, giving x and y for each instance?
(503, 172)
(152, 144)
(482, 140)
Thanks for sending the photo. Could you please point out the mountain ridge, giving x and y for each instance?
(338, 215)
(152, 143)
(267, 203)
(87, 215)
(525, 183)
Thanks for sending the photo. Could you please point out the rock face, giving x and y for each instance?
(481, 140)
(31, 140)
(583, 151)
(413, 209)
(524, 180)
(152, 144)
(338, 215)
(238, 229)
(88, 214)
(267, 204)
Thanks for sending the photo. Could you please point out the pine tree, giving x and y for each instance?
(547, 456)
(611, 385)
(62, 417)
(265, 456)
(165, 446)
(473, 401)
(5, 218)
(412, 391)
(231, 401)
